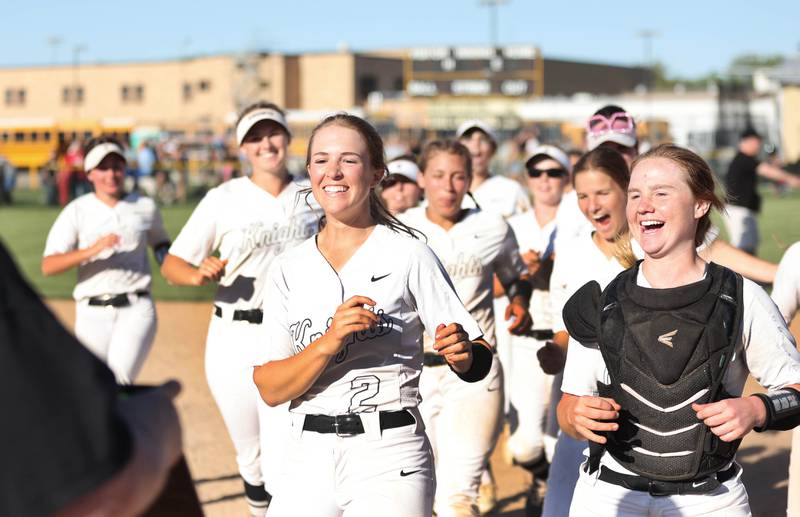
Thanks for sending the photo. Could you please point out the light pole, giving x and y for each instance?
(493, 5)
(54, 42)
(76, 54)
(647, 36)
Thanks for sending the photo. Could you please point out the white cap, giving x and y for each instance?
(627, 138)
(256, 116)
(550, 151)
(479, 124)
(405, 168)
(100, 151)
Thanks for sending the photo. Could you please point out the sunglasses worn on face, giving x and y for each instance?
(551, 173)
(620, 122)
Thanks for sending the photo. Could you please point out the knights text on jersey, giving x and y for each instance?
(479, 245)
(249, 227)
(378, 369)
(124, 268)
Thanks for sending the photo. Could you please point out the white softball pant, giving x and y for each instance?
(387, 472)
(463, 422)
(564, 471)
(742, 227)
(121, 337)
(595, 497)
(229, 372)
(529, 391)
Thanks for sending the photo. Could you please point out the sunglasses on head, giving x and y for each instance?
(551, 173)
(619, 122)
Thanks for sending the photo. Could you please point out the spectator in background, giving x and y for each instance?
(741, 184)
(146, 161)
(8, 178)
(399, 190)
(70, 176)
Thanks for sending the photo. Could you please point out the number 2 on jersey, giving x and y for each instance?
(366, 388)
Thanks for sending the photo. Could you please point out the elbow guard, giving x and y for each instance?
(160, 251)
(482, 359)
(783, 410)
(521, 288)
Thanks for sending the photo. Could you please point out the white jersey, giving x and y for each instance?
(764, 348)
(541, 239)
(479, 245)
(571, 222)
(249, 227)
(378, 369)
(499, 195)
(786, 288)
(125, 268)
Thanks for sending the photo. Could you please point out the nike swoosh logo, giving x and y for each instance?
(403, 473)
(376, 278)
(695, 484)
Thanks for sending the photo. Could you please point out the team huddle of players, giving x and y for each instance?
(377, 324)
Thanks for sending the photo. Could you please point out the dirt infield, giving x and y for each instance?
(178, 353)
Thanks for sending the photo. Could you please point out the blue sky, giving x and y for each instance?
(694, 37)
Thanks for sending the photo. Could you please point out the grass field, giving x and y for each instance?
(24, 227)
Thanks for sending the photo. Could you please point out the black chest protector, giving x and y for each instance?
(666, 349)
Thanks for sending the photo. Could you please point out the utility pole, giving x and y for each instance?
(76, 55)
(647, 36)
(54, 42)
(493, 5)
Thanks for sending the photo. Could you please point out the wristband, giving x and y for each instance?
(482, 359)
(521, 288)
(783, 410)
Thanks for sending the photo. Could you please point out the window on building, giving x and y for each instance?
(204, 85)
(366, 85)
(15, 96)
(72, 95)
(132, 93)
(187, 92)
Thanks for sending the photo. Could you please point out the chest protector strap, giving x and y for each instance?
(666, 349)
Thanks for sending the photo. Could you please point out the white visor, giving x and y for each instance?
(405, 168)
(98, 152)
(254, 117)
(553, 152)
(476, 124)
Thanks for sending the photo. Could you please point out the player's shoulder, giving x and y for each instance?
(413, 216)
(500, 182)
(140, 201)
(522, 221)
(485, 221)
(792, 255)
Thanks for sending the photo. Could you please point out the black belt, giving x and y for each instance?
(115, 300)
(251, 316)
(541, 335)
(351, 423)
(665, 488)
(431, 359)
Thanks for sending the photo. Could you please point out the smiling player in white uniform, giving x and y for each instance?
(249, 221)
(529, 388)
(473, 245)
(105, 235)
(345, 315)
(670, 194)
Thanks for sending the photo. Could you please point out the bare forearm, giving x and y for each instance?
(287, 379)
(60, 262)
(177, 271)
(563, 409)
(754, 268)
